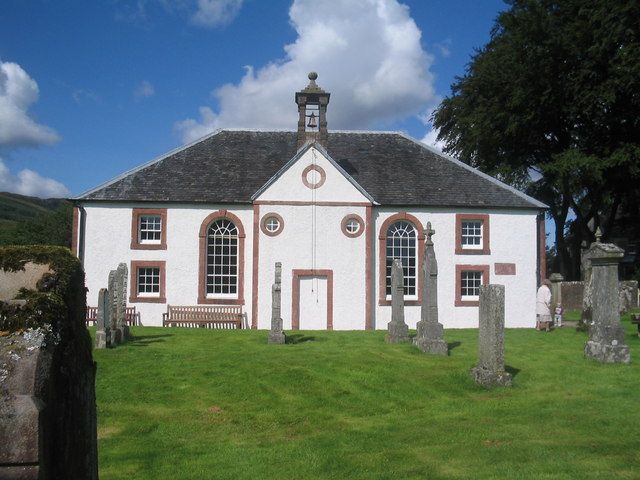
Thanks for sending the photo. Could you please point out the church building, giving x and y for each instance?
(206, 223)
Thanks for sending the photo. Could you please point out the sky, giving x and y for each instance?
(90, 89)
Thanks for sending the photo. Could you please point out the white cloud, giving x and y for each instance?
(212, 13)
(431, 139)
(367, 54)
(144, 90)
(28, 182)
(18, 92)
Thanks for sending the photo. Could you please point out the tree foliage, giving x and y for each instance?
(552, 105)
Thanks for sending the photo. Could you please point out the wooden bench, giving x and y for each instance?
(209, 316)
(131, 317)
(544, 325)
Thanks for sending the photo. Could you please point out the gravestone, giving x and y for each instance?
(397, 329)
(585, 268)
(430, 336)
(103, 330)
(116, 332)
(606, 335)
(122, 274)
(490, 371)
(276, 335)
(556, 289)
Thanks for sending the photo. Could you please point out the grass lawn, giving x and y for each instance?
(203, 404)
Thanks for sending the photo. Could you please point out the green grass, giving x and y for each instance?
(202, 404)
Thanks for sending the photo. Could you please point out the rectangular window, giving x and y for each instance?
(150, 228)
(470, 285)
(472, 234)
(148, 281)
(468, 281)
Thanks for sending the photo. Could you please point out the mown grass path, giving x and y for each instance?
(204, 404)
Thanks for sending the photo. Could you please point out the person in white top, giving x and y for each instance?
(543, 302)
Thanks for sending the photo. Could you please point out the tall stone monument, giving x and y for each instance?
(397, 330)
(116, 332)
(606, 335)
(585, 270)
(122, 273)
(430, 336)
(490, 371)
(103, 326)
(276, 335)
(556, 290)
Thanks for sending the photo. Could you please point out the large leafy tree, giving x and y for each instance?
(552, 105)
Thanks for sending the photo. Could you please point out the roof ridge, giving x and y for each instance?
(480, 173)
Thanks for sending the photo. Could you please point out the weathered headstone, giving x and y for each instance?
(606, 335)
(490, 371)
(585, 269)
(121, 305)
(103, 326)
(430, 335)
(116, 332)
(276, 335)
(556, 289)
(397, 329)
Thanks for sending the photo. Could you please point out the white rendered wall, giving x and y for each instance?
(108, 242)
(513, 235)
(294, 247)
(289, 186)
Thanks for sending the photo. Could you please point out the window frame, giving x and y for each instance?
(134, 296)
(136, 214)
(346, 220)
(265, 219)
(460, 301)
(224, 298)
(484, 248)
(382, 258)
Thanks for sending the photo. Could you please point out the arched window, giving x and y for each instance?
(221, 270)
(401, 243)
(401, 236)
(222, 258)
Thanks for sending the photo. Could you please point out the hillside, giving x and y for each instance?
(20, 213)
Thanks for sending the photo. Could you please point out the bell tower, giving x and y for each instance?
(312, 113)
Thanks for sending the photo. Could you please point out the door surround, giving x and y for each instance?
(295, 295)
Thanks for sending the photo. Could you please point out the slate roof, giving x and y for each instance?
(229, 166)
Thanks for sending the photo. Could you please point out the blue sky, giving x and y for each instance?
(89, 89)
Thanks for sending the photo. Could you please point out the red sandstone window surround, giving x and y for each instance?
(229, 280)
(149, 229)
(272, 224)
(382, 258)
(468, 279)
(472, 234)
(148, 281)
(352, 225)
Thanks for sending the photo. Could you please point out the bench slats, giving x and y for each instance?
(203, 316)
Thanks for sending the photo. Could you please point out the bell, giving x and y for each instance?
(312, 121)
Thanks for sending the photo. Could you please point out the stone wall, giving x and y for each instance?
(47, 374)
(572, 295)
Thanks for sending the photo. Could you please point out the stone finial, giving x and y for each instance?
(490, 371)
(429, 232)
(598, 235)
(276, 335)
(398, 331)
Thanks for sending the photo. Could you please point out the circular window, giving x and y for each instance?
(271, 224)
(352, 226)
(314, 176)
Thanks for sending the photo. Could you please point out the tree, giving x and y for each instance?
(48, 228)
(552, 105)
